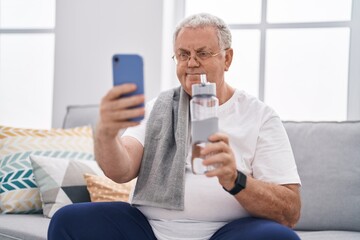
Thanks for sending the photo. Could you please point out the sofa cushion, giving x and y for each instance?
(328, 235)
(23, 226)
(61, 181)
(328, 160)
(18, 189)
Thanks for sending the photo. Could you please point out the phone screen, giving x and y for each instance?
(128, 68)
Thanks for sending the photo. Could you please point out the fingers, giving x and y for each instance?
(219, 137)
(225, 168)
(123, 114)
(219, 142)
(223, 163)
(122, 125)
(122, 109)
(119, 90)
(219, 154)
(216, 158)
(116, 109)
(112, 101)
(121, 104)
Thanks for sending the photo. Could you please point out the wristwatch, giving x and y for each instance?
(240, 183)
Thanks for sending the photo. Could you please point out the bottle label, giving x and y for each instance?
(202, 129)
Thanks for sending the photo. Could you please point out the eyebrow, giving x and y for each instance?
(183, 50)
(200, 49)
(196, 50)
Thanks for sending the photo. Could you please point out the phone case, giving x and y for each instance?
(128, 68)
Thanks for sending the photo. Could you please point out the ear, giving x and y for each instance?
(228, 58)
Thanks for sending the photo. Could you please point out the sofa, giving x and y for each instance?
(328, 159)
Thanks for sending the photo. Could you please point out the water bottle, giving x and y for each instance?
(204, 121)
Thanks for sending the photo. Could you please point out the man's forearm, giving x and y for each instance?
(112, 158)
(276, 202)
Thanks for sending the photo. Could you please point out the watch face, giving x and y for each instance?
(242, 179)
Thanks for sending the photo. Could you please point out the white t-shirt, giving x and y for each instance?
(262, 150)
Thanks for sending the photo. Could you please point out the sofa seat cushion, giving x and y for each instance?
(23, 226)
(328, 235)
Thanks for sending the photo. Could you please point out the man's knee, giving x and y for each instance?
(60, 221)
(270, 230)
(278, 231)
(255, 228)
(79, 214)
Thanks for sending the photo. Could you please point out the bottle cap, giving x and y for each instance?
(204, 89)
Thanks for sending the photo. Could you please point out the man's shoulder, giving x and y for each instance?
(250, 100)
(253, 105)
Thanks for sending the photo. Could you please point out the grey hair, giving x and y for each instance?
(207, 20)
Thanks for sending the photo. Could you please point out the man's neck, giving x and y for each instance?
(224, 93)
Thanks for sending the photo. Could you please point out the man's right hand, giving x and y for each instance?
(115, 111)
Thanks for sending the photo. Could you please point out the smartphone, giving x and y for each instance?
(129, 68)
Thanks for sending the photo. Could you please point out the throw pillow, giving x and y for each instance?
(18, 189)
(103, 189)
(61, 181)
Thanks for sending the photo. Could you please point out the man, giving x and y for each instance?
(252, 194)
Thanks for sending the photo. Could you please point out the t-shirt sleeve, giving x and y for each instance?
(274, 160)
(138, 132)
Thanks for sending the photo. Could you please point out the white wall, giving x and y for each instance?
(88, 33)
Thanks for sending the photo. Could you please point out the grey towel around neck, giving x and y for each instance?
(161, 178)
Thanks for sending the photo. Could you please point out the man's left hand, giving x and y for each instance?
(219, 154)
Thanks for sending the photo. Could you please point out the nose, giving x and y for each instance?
(193, 62)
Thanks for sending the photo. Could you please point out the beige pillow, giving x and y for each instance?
(103, 189)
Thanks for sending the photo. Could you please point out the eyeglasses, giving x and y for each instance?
(202, 55)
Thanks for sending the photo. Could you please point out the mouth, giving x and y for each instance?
(193, 77)
(195, 73)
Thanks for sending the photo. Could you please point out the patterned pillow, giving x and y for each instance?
(18, 189)
(61, 181)
(103, 189)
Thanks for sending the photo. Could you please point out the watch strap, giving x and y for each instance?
(240, 183)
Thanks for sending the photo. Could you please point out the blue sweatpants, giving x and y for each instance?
(119, 220)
